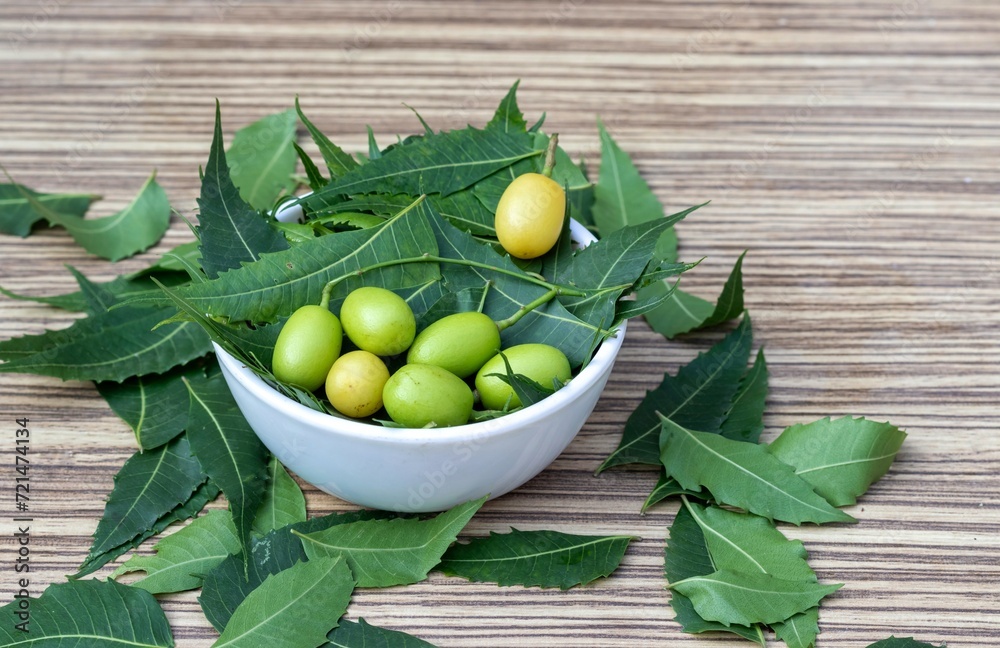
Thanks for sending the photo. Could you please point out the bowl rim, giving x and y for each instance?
(601, 362)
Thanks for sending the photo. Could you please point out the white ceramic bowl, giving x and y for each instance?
(419, 470)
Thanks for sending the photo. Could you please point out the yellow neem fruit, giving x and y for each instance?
(354, 384)
(530, 215)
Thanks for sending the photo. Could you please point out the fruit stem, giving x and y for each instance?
(550, 156)
(482, 301)
(527, 308)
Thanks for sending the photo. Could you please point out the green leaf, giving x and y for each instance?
(154, 406)
(800, 630)
(230, 452)
(18, 213)
(511, 289)
(622, 197)
(742, 474)
(89, 613)
(686, 556)
(536, 558)
(262, 159)
(231, 231)
(508, 117)
(528, 391)
(441, 163)
(745, 419)
(280, 283)
(400, 551)
(316, 179)
(684, 313)
(362, 635)
(113, 345)
(698, 397)
(149, 486)
(293, 608)
(201, 496)
(141, 224)
(182, 558)
(284, 502)
(744, 598)
(901, 642)
(227, 585)
(665, 487)
(336, 160)
(840, 458)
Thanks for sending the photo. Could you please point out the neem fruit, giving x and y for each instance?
(307, 346)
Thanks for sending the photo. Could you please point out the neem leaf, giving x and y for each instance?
(18, 213)
(154, 406)
(141, 224)
(535, 558)
(336, 160)
(363, 635)
(148, 486)
(440, 163)
(262, 159)
(113, 345)
(698, 397)
(622, 197)
(293, 608)
(687, 555)
(840, 458)
(508, 117)
(199, 498)
(799, 630)
(182, 558)
(742, 474)
(902, 642)
(743, 598)
(745, 419)
(283, 503)
(231, 231)
(683, 312)
(666, 487)
(226, 586)
(279, 283)
(232, 455)
(88, 613)
(400, 551)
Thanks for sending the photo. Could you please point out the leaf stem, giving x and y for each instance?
(507, 322)
(550, 156)
(482, 301)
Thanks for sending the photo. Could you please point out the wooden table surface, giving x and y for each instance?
(851, 147)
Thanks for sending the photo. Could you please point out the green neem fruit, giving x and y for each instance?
(460, 343)
(420, 395)
(306, 347)
(378, 320)
(540, 362)
(354, 384)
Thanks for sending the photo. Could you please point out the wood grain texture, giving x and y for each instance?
(851, 147)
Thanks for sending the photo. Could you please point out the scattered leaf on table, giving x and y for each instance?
(18, 214)
(137, 227)
(363, 635)
(799, 630)
(745, 418)
(686, 555)
(293, 608)
(902, 642)
(742, 474)
(745, 598)
(536, 558)
(113, 345)
(199, 498)
(231, 454)
(283, 503)
(154, 406)
(148, 486)
(227, 585)
(231, 231)
(89, 613)
(666, 487)
(698, 397)
(183, 557)
(262, 159)
(382, 553)
(841, 458)
(684, 312)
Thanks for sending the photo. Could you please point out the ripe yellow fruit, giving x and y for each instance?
(354, 384)
(530, 215)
